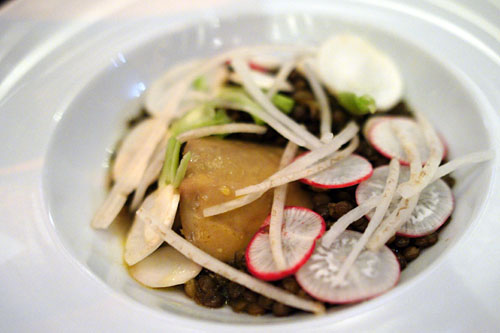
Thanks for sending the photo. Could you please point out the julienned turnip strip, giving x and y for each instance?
(393, 222)
(221, 129)
(277, 210)
(307, 160)
(285, 70)
(233, 204)
(260, 113)
(353, 215)
(472, 158)
(324, 105)
(205, 260)
(411, 152)
(280, 179)
(382, 206)
(241, 67)
(412, 188)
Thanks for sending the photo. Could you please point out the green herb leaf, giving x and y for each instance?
(200, 83)
(283, 102)
(181, 171)
(174, 162)
(165, 171)
(357, 105)
(201, 116)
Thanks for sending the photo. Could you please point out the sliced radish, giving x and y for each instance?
(382, 137)
(432, 210)
(347, 172)
(372, 121)
(166, 267)
(348, 63)
(372, 274)
(301, 228)
(262, 79)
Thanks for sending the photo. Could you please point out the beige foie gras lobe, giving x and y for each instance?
(217, 169)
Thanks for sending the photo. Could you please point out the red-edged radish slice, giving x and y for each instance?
(372, 274)
(372, 121)
(382, 137)
(348, 63)
(166, 267)
(301, 228)
(347, 172)
(432, 210)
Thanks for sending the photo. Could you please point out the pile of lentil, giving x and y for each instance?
(214, 291)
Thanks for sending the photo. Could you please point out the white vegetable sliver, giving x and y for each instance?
(162, 209)
(303, 162)
(231, 205)
(221, 129)
(278, 207)
(258, 112)
(477, 157)
(393, 222)
(205, 260)
(151, 174)
(324, 105)
(411, 188)
(411, 152)
(241, 67)
(382, 206)
(353, 215)
(263, 80)
(110, 208)
(281, 77)
(136, 245)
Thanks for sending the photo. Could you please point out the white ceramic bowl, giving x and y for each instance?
(74, 177)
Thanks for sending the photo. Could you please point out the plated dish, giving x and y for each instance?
(223, 201)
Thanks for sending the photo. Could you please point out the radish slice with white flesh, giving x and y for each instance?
(372, 273)
(301, 228)
(136, 246)
(348, 63)
(278, 210)
(383, 138)
(262, 80)
(371, 122)
(347, 172)
(432, 209)
(166, 267)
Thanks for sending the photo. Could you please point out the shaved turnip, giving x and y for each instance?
(384, 139)
(136, 246)
(372, 273)
(436, 154)
(262, 80)
(325, 127)
(348, 63)
(166, 267)
(477, 157)
(131, 162)
(347, 172)
(301, 228)
(281, 77)
(231, 205)
(241, 67)
(221, 129)
(151, 173)
(432, 208)
(300, 164)
(205, 260)
(277, 211)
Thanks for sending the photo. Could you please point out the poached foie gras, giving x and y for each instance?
(216, 170)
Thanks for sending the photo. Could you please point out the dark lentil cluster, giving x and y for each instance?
(214, 291)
